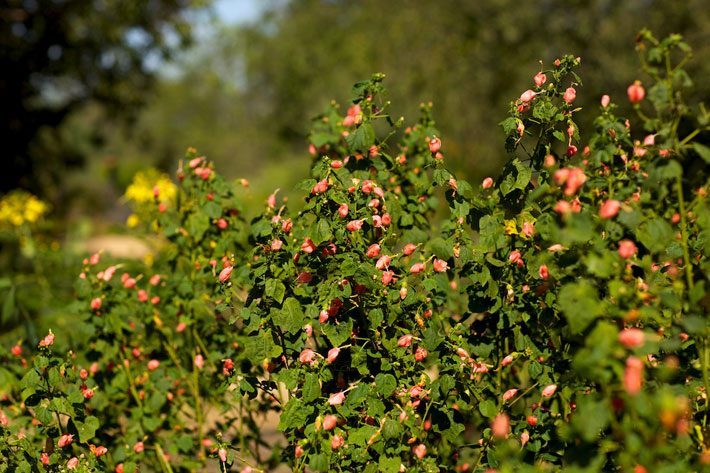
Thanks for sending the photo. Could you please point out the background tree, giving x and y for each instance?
(59, 55)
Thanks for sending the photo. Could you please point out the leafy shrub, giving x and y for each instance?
(556, 319)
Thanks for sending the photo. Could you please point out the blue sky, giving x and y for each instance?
(238, 11)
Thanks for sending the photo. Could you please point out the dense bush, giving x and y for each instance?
(555, 318)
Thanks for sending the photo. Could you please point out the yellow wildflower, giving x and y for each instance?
(145, 183)
(19, 207)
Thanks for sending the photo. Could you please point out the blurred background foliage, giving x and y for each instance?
(93, 91)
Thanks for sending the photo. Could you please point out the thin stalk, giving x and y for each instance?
(684, 233)
(198, 409)
(164, 465)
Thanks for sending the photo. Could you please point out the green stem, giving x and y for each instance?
(198, 409)
(684, 233)
(687, 139)
(164, 465)
(131, 384)
(704, 362)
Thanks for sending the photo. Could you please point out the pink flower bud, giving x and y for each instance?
(500, 427)
(336, 399)
(549, 390)
(307, 357)
(287, 225)
(405, 340)
(543, 272)
(343, 210)
(627, 249)
(222, 453)
(373, 251)
(527, 96)
(609, 209)
(330, 421)
(420, 354)
(387, 277)
(509, 394)
(336, 442)
(383, 262)
(225, 274)
(462, 353)
(435, 145)
(524, 438)
(440, 266)
(516, 258)
(632, 337)
(636, 92)
(153, 365)
(569, 95)
(605, 101)
(540, 79)
(16, 351)
(337, 164)
(199, 361)
(276, 245)
(419, 451)
(354, 225)
(65, 440)
(96, 303)
(487, 183)
(48, 340)
(633, 375)
(333, 355)
(139, 447)
(528, 229)
(409, 248)
(416, 268)
(368, 186)
(507, 360)
(308, 246)
(320, 187)
(72, 463)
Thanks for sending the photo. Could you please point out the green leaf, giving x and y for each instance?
(655, 234)
(291, 317)
(311, 388)
(87, 429)
(212, 210)
(294, 415)
(385, 384)
(391, 429)
(260, 347)
(319, 462)
(488, 408)
(703, 151)
(322, 232)
(362, 138)
(338, 334)
(197, 224)
(580, 304)
(590, 418)
(389, 464)
(276, 289)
